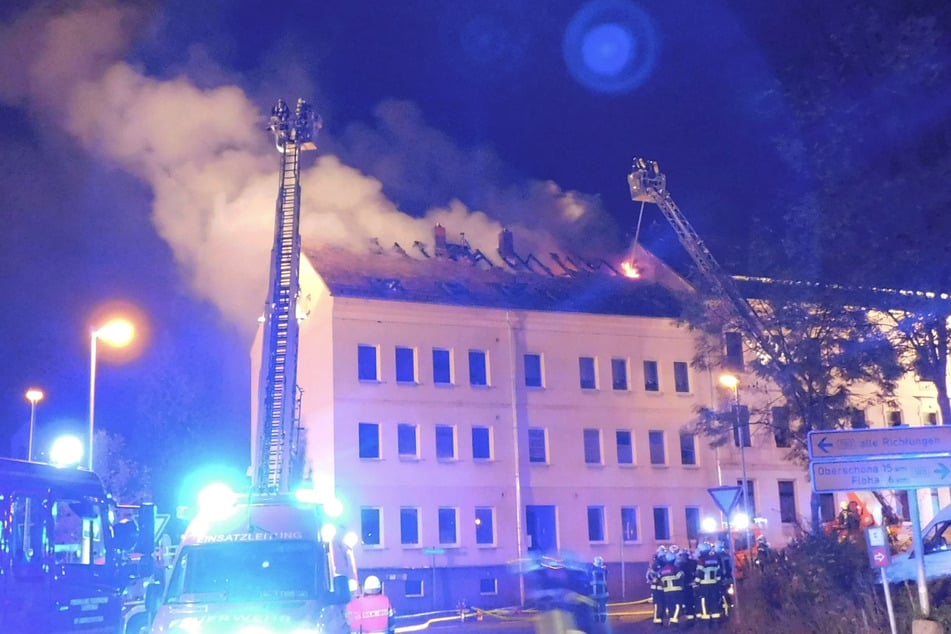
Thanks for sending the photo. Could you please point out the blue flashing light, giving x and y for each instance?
(328, 532)
(216, 500)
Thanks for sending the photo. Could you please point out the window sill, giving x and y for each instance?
(409, 458)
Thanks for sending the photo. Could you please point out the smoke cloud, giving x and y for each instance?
(213, 171)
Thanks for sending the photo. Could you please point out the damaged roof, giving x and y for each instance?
(468, 278)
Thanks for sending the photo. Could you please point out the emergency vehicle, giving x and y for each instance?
(261, 563)
(66, 558)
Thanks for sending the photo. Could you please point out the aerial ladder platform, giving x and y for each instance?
(649, 184)
(279, 462)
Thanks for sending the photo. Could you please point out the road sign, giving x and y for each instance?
(434, 551)
(886, 441)
(725, 498)
(879, 551)
(867, 474)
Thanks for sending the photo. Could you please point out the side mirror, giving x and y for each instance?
(153, 596)
(341, 590)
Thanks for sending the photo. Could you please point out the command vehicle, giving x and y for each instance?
(263, 563)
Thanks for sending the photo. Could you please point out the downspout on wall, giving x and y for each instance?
(519, 528)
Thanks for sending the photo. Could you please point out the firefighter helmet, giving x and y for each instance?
(371, 585)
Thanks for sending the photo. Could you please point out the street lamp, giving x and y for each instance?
(731, 381)
(117, 333)
(34, 395)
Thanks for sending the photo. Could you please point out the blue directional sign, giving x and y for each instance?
(867, 474)
(887, 441)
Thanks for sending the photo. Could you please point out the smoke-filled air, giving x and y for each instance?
(212, 169)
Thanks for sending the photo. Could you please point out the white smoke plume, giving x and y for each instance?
(213, 171)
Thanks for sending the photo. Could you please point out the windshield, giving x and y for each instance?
(246, 571)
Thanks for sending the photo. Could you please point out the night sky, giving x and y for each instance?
(135, 167)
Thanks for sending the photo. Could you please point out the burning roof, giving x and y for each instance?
(459, 274)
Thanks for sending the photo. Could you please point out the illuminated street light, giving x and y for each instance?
(34, 395)
(117, 333)
(732, 382)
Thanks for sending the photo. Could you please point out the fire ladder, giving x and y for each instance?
(649, 184)
(279, 443)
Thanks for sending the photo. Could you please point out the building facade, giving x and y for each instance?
(474, 413)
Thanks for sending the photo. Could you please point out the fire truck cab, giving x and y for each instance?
(269, 563)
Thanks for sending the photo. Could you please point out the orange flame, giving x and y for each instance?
(630, 270)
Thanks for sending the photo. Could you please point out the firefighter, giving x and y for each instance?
(763, 554)
(687, 563)
(710, 588)
(672, 585)
(847, 521)
(371, 613)
(599, 589)
(726, 563)
(653, 582)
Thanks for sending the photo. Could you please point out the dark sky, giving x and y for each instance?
(134, 165)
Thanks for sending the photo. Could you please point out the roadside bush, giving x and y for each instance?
(817, 585)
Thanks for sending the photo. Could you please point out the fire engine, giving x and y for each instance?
(269, 559)
(66, 556)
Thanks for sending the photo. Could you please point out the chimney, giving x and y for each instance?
(506, 245)
(439, 233)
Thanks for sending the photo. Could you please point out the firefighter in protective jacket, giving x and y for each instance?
(371, 613)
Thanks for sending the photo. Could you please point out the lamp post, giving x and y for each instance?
(34, 395)
(732, 382)
(117, 333)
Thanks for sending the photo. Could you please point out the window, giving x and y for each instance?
(368, 363)
(741, 427)
(596, 524)
(370, 530)
(587, 372)
(409, 526)
(857, 419)
(407, 436)
(629, 523)
(369, 440)
(655, 440)
(413, 588)
(733, 360)
(781, 426)
(537, 445)
(681, 377)
(445, 442)
(481, 443)
(592, 446)
(405, 365)
(619, 374)
(651, 378)
(750, 509)
(488, 585)
(688, 448)
(442, 367)
(931, 418)
(533, 370)
(485, 525)
(478, 368)
(625, 447)
(68, 529)
(661, 523)
(448, 526)
(894, 418)
(787, 502)
(692, 517)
